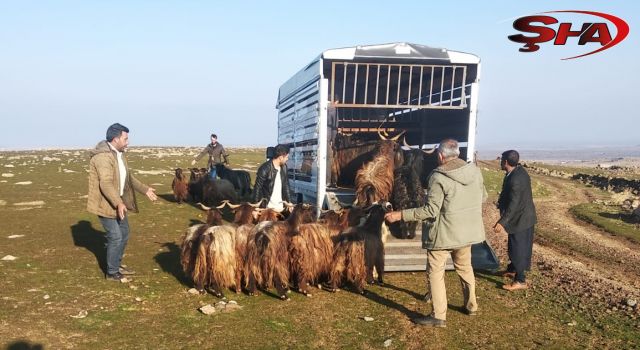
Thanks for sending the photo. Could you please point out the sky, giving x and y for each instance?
(176, 71)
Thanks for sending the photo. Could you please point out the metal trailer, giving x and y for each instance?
(430, 93)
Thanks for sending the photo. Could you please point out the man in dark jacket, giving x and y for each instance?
(111, 195)
(216, 152)
(517, 219)
(272, 182)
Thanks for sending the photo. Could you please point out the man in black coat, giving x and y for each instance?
(517, 218)
(272, 182)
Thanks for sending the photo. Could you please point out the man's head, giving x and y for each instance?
(214, 139)
(509, 159)
(447, 150)
(281, 154)
(118, 136)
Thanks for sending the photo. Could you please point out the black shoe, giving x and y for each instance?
(430, 321)
(116, 277)
(126, 271)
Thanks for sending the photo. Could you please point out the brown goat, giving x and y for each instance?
(180, 186)
(374, 181)
(310, 254)
(359, 250)
(268, 251)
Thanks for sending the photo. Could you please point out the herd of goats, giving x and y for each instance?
(265, 249)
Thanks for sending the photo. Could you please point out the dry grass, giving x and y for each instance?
(61, 251)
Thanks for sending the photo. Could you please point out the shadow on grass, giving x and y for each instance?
(415, 295)
(626, 218)
(490, 276)
(373, 296)
(84, 235)
(169, 262)
(24, 345)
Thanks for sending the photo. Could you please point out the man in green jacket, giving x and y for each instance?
(453, 216)
(111, 195)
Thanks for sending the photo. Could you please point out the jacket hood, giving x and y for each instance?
(458, 170)
(101, 147)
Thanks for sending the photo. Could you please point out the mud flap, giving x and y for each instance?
(483, 257)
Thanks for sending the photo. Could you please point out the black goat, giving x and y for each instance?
(240, 179)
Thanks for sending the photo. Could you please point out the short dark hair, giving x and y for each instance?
(214, 136)
(115, 130)
(280, 150)
(512, 157)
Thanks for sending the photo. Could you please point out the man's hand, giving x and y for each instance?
(122, 210)
(393, 216)
(151, 193)
(193, 162)
(497, 228)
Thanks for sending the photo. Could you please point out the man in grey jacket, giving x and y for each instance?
(111, 195)
(453, 216)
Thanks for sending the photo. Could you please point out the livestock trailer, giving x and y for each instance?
(363, 92)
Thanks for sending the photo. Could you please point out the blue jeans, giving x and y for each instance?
(117, 238)
(213, 172)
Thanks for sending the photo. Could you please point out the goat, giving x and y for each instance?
(268, 251)
(359, 250)
(407, 193)
(240, 179)
(244, 218)
(195, 184)
(180, 186)
(214, 191)
(190, 246)
(374, 181)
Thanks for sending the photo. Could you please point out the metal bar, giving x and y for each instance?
(377, 83)
(431, 87)
(399, 75)
(453, 82)
(410, 77)
(344, 82)
(333, 81)
(441, 86)
(366, 84)
(463, 93)
(355, 83)
(420, 87)
(388, 81)
(356, 105)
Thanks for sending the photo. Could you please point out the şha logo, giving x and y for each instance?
(589, 32)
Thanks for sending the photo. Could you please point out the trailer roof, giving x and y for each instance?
(400, 50)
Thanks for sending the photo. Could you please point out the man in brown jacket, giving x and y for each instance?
(216, 152)
(111, 195)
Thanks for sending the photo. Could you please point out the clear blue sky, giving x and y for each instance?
(175, 71)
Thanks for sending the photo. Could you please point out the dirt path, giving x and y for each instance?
(578, 257)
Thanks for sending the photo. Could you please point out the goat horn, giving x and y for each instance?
(381, 136)
(232, 206)
(404, 142)
(395, 138)
(223, 204)
(431, 150)
(288, 204)
(204, 207)
(256, 204)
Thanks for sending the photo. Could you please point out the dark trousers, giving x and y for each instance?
(520, 246)
(117, 238)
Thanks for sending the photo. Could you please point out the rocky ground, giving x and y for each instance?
(592, 269)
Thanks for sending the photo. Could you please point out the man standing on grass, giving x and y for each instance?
(517, 219)
(111, 195)
(216, 152)
(453, 216)
(272, 182)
